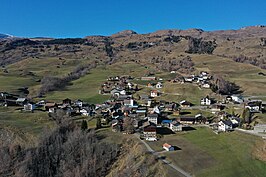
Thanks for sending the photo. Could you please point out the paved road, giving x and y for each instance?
(178, 169)
(251, 132)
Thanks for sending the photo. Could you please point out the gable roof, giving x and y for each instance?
(149, 128)
(167, 145)
(21, 99)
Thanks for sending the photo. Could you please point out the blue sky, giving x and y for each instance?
(79, 18)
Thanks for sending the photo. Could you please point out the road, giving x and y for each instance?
(251, 132)
(178, 169)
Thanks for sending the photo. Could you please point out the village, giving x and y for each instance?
(146, 114)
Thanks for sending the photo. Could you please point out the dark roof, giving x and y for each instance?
(150, 128)
(153, 115)
(227, 122)
(187, 118)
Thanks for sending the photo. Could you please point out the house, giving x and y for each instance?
(166, 123)
(153, 118)
(168, 147)
(156, 110)
(185, 104)
(68, 110)
(129, 102)
(116, 126)
(235, 121)
(201, 119)
(29, 107)
(187, 120)
(189, 79)
(225, 125)
(176, 112)
(137, 122)
(85, 112)
(237, 99)
(149, 78)
(176, 126)
(216, 108)
(263, 106)
(205, 85)
(254, 106)
(144, 97)
(117, 92)
(50, 107)
(141, 111)
(260, 128)
(204, 73)
(154, 93)
(206, 101)
(21, 101)
(149, 133)
(79, 103)
(41, 103)
(67, 101)
(149, 85)
(159, 85)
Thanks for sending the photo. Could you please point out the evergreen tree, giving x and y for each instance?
(246, 115)
(84, 125)
(98, 123)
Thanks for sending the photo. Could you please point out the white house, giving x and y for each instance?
(188, 79)
(237, 99)
(29, 107)
(175, 126)
(154, 93)
(254, 106)
(130, 85)
(206, 101)
(153, 118)
(149, 133)
(168, 147)
(117, 92)
(159, 85)
(21, 101)
(129, 102)
(225, 125)
(79, 103)
(206, 85)
(84, 112)
(204, 73)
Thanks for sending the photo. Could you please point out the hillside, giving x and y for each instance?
(243, 45)
(51, 70)
(2, 36)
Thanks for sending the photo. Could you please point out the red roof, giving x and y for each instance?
(166, 145)
(150, 129)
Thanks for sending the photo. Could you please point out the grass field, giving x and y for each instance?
(87, 87)
(204, 153)
(244, 75)
(29, 125)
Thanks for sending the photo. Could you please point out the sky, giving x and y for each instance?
(80, 18)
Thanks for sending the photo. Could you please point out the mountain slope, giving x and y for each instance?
(244, 45)
(2, 36)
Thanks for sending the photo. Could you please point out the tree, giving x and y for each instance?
(84, 125)
(221, 86)
(98, 123)
(246, 115)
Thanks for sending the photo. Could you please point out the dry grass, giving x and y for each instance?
(259, 151)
